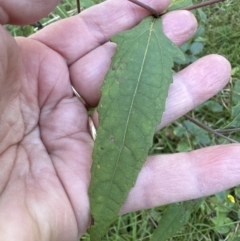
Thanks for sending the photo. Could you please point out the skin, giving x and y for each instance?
(45, 151)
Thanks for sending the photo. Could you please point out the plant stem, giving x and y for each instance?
(203, 4)
(208, 129)
(78, 6)
(143, 5)
(233, 130)
(189, 8)
(37, 25)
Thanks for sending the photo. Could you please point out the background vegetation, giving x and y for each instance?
(218, 216)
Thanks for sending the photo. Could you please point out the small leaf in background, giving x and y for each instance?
(213, 106)
(235, 117)
(131, 106)
(221, 196)
(87, 3)
(222, 226)
(236, 92)
(198, 36)
(200, 135)
(196, 48)
(202, 16)
(222, 223)
(183, 146)
(175, 217)
(237, 192)
(193, 47)
(179, 131)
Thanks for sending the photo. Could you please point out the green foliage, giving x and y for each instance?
(61, 12)
(131, 106)
(24, 31)
(235, 117)
(175, 217)
(87, 3)
(212, 106)
(199, 135)
(177, 4)
(236, 89)
(222, 30)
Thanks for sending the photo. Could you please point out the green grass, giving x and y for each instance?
(218, 217)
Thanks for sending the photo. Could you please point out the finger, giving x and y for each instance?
(10, 76)
(171, 178)
(25, 11)
(194, 85)
(87, 78)
(76, 36)
(87, 73)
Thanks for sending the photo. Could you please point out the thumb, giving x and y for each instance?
(25, 11)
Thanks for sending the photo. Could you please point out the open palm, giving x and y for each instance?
(46, 147)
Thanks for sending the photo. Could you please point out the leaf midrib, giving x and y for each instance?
(132, 103)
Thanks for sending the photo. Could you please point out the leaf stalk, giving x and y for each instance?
(203, 4)
(143, 5)
(78, 6)
(189, 8)
(208, 129)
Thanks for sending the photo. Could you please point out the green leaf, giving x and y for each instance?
(183, 146)
(175, 217)
(131, 106)
(236, 92)
(196, 48)
(87, 3)
(177, 4)
(200, 135)
(237, 192)
(235, 117)
(210, 105)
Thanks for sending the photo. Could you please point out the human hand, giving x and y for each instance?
(46, 147)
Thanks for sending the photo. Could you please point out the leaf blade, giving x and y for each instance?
(176, 216)
(135, 89)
